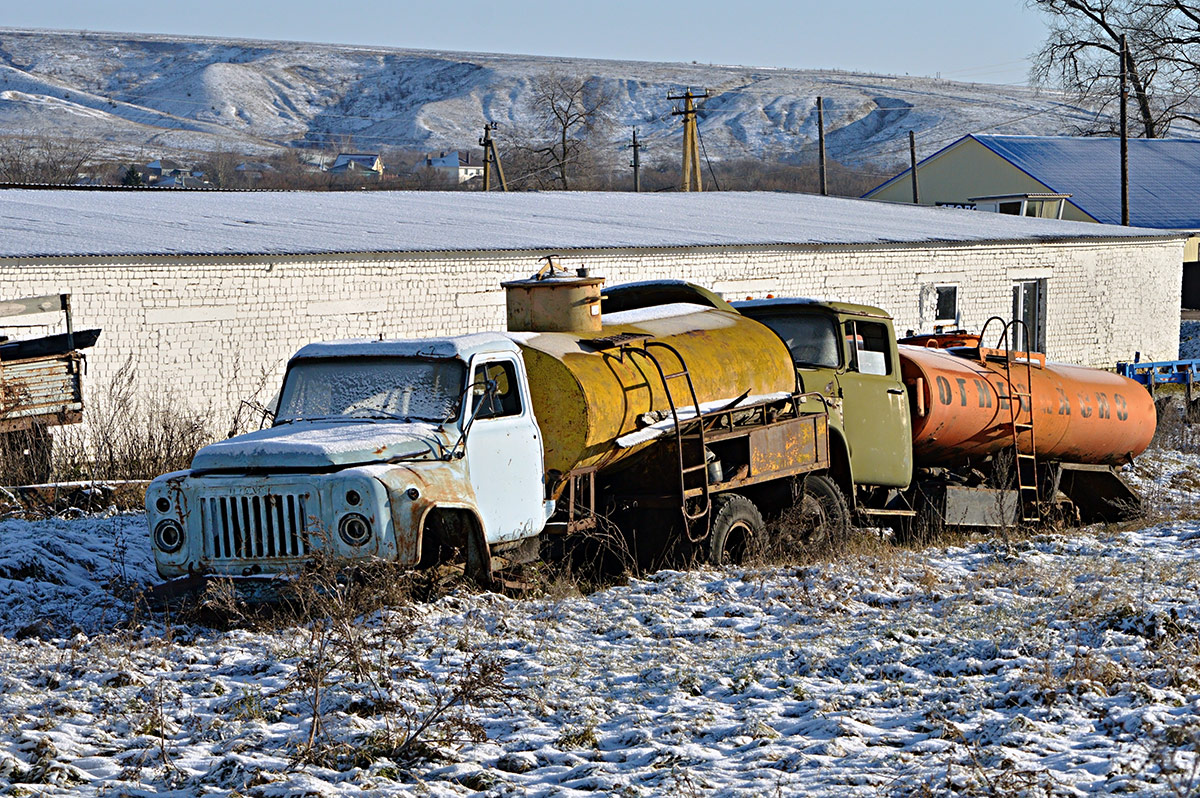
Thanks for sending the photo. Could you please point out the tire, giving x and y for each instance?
(736, 530)
(822, 513)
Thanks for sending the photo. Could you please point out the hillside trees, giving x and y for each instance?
(568, 111)
(43, 159)
(1081, 54)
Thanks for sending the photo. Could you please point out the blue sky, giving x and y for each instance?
(974, 40)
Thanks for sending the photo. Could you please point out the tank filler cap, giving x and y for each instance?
(554, 300)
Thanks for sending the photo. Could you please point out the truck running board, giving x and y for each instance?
(885, 513)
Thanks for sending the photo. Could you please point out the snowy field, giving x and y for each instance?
(1066, 664)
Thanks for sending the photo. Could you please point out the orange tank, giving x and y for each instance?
(962, 408)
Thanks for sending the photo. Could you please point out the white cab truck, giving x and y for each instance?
(477, 447)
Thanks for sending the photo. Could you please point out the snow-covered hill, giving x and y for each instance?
(152, 95)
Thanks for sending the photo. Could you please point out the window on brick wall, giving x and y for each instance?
(947, 306)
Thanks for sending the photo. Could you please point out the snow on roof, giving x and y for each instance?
(366, 159)
(1164, 175)
(93, 223)
(461, 346)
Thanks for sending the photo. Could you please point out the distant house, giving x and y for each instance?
(153, 171)
(169, 174)
(1067, 177)
(357, 163)
(252, 170)
(455, 166)
(183, 181)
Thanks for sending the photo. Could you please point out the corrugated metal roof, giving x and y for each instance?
(1164, 175)
(81, 223)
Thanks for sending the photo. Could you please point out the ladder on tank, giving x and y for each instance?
(1020, 406)
(689, 439)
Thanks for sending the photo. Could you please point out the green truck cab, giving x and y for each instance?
(847, 352)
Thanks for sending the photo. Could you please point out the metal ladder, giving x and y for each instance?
(689, 439)
(1020, 406)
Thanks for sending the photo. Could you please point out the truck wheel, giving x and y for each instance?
(736, 529)
(824, 517)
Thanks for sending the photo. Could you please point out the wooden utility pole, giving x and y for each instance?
(912, 157)
(491, 158)
(691, 146)
(821, 144)
(1124, 132)
(636, 163)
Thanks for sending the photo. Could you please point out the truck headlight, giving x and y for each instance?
(354, 529)
(168, 536)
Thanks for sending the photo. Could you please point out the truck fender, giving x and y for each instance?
(839, 465)
(415, 497)
(460, 527)
(408, 514)
(451, 521)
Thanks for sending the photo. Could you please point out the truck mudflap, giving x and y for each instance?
(1099, 493)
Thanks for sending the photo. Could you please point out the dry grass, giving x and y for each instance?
(125, 439)
(352, 624)
(129, 437)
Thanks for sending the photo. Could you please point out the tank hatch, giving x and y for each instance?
(554, 300)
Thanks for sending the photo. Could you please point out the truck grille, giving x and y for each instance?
(256, 527)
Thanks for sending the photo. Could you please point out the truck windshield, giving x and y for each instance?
(372, 387)
(812, 339)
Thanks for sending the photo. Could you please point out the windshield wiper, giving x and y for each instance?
(374, 413)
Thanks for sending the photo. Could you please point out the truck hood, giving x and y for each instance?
(323, 444)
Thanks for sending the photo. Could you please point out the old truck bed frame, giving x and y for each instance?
(43, 390)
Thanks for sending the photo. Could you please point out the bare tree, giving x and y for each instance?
(1082, 55)
(43, 159)
(568, 110)
(221, 170)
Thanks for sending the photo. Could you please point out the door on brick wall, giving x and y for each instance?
(1029, 306)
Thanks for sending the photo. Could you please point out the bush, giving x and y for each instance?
(130, 437)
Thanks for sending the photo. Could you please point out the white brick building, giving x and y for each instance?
(209, 293)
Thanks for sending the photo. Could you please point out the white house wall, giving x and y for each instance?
(214, 331)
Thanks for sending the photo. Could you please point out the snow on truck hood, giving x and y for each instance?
(318, 444)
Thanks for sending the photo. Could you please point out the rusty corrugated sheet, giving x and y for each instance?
(43, 390)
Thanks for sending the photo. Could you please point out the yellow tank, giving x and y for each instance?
(590, 388)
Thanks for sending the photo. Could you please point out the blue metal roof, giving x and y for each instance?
(1164, 175)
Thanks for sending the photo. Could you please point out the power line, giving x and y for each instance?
(713, 174)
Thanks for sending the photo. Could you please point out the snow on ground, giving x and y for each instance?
(1189, 339)
(1067, 664)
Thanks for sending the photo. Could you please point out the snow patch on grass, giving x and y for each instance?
(1065, 664)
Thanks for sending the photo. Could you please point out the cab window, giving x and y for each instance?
(868, 346)
(501, 400)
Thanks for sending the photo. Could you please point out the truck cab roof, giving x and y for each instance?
(752, 307)
(458, 346)
(648, 293)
